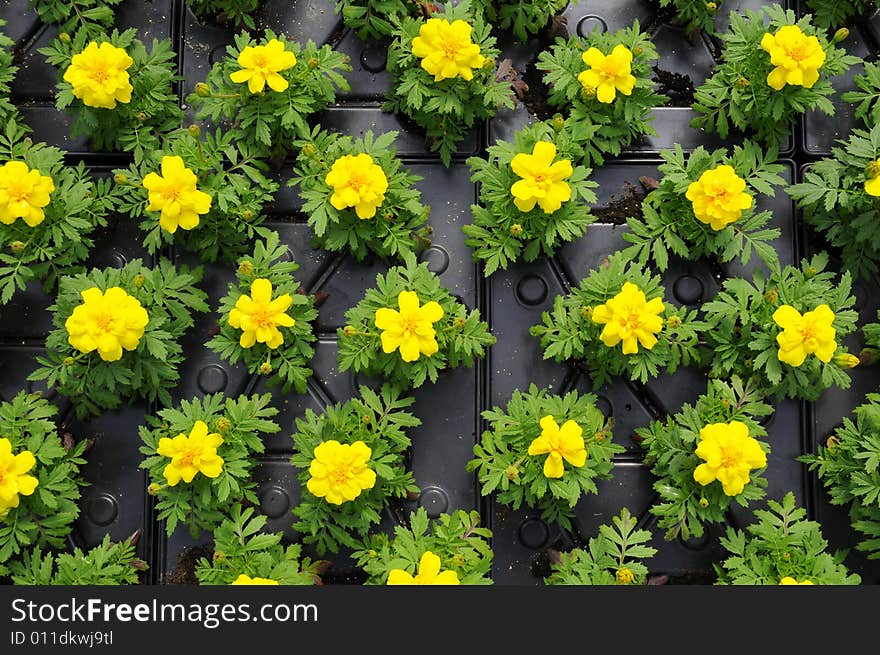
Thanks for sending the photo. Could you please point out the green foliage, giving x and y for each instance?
(455, 538)
(399, 225)
(848, 464)
(7, 75)
(696, 15)
(377, 419)
(866, 97)
(834, 201)
(202, 504)
(233, 13)
(668, 223)
(230, 171)
(617, 548)
(781, 543)
(46, 516)
(374, 19)
(602, 129)
(61, 242)
(241, 547)
(461, 335)
(107, 563)
(742, 333)
(136, 126)
(447, 110)
(286, 365)
(836, 13)
(737, 94)
(501, 233)
(567, 332)
(505, 467)
(148, 372)
(272, 120)
(92, 17)
(522, 17)
(685, 506)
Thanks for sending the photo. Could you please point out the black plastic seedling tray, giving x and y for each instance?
(116, 501)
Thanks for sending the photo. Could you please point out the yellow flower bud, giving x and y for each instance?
(590, 91)
(309, 149)
(558, 122)
(458, 323)
(120, 178)
(265, 368)
(154, 489)
(846, 360)
(313, 62)
(139, 280)
(599, 437)
(704, 503)
(366, 419)
(811, 271)
(516, 230)
(840, 35)
(142, 116)
(586, 313)
(68, 361)
(674, 322)
(65, 37)
(872, 170)
(17, 246)
(742, 82)
(624, 576)
(194, 130)
(219, 556)
(221, 424)
(247, 214)
(246, 267)
(202, 90)
(711, 6)
(349, 331)
(511, 473)
(772, 296)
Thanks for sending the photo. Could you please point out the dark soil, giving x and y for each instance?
(185, 571)
(678, 87)
(535, 95)
(625, 205)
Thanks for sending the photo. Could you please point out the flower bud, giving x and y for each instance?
(674, 322)
(349, 331)
(68, 361)
(516, 230)
(142, 116)
(194, 131)
(742, 82)
(458, 559)
(219, 556)
(599, 437)
(558, 123)
(366, 419)
(202, 90)
(846, 360)
(313, 62)
(154, 489)
(638, 50)
(511, 473)
(17, 246)
(832, 442)
(309, 149)
(221, 424)
(624, 576)
(811, 271)
(120, 178)
(586, 313)
(704, 503)
(772, 296)
(590, 91)
(872, 170)
(711, 6)
(489, 62)
(265, 368)
(459, 322)
(65, 37)
(139, 280)
(840, 35)
(247, 214)
(246, 267)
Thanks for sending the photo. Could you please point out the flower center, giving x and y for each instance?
(17, 192)
(187, 458)
(797, 52)
(808, 333)
(172, 192)
(633, 320)
(100, 74)
(104, 322)
(356, 181)
(450, 47)
(340, 475)
(3, 472)
(261, 62)
(609, 69)
(264, 319)
(729, 459)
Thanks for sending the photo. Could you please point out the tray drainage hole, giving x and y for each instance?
(274, 502)
(434, 500)
(103, 509)
(695, 543)
(118, 259)
(688, 290)
(437, 258)
(374, 57)
(588, 23)
(531, 290)
(533, 533)
(212, 379)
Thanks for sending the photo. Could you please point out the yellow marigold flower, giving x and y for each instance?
(248, 580)
(728, 454)
(429, 573)
(872, 184)
(411, 329)
(261, 64)
(106, 321)
(191, 455)
(357, 182)
(542, 179)
(718, 197)
(846, 360)
(608, 74)
(811, 333)
(788, 580)
(624, 576)
(259, 316)
(340, 472)
(558, 443)
(99, 75)
(797, 57)
(446, 49)
(175, 195)
(630, 318)
(14, 480)
(24, 192)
